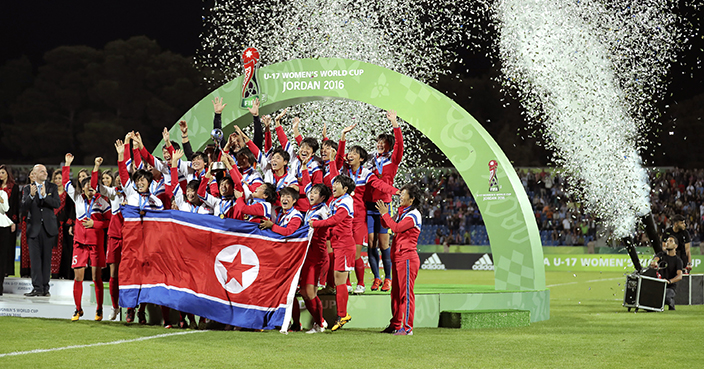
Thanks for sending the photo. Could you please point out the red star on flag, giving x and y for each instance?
(236, 268)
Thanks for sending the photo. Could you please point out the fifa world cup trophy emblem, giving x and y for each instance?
(250, 84)
(493, 181)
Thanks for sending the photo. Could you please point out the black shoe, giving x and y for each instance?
(389, 329)
(671, 307)
(46, 294)
(295, 327)
(34, 293)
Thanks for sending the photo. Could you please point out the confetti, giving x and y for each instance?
(411, 37)
(591, 72)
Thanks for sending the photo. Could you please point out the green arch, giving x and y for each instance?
(508, 216)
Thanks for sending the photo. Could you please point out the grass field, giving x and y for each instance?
(588, 328)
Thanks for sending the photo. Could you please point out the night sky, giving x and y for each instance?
(32, 28)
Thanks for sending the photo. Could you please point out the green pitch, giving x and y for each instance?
(588, 328)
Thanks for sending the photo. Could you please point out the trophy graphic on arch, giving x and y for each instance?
(250, 83)
(493, 181)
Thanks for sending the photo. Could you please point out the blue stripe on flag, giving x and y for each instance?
(190, 303)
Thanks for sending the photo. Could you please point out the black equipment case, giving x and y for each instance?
(643, 292)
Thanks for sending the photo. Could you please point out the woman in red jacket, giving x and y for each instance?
(404, 257)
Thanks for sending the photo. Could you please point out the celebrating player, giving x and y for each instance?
(93, 216)
(383, 164)
(316, 256)
(404, 257)
(342, 209)
(354, 168)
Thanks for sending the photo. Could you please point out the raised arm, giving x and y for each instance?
(283, 139)
(266, 120)
(94, 174)
(218, 107)
(121, 167)
(173, 183)
(256, 123)
(398, 138)
(305, 183)
(340, 156)
(166, 136)
(261, 158)
(185, 143)
(296, 133)
(66, 177)
(234, 172)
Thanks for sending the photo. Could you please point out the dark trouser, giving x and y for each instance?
(4, 235)
(65, 270)
(8, 241)
(40, 258)
(670, 296)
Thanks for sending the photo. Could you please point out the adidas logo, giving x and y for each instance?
(433, 262)
(484, 263)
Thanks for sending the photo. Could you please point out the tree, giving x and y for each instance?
(15, 77)
(83, 99)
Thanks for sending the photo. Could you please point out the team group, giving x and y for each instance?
(343, 194)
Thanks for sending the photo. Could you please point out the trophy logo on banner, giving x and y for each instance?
(493, 181)
(250, 84)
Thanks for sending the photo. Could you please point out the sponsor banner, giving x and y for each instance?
(604, 262)
(442, 261)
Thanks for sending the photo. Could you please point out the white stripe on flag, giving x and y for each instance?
(241, 234)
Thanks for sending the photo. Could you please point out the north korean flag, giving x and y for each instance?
(226, 270)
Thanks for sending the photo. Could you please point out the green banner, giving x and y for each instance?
(604, 262)
(503, 203)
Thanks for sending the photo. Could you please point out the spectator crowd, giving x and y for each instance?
(454, 218)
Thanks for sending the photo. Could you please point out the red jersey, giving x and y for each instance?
(255, 211)
(363, 178)
(406, 230)
(385, 166)
(318, 250)
(287, 222)
(340, 223)
(116, 196)
(96, 208)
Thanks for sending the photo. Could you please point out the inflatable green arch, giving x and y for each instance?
(502, 201)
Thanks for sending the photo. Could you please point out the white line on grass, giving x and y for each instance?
(97, 344)
(592, 281)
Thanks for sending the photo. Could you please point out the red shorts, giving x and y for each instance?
(82, 253)
(344, 259)
(310, 272)
(360, 232)
(114, 250)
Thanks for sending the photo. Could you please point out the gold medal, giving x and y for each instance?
(222, 216)
(142, 212)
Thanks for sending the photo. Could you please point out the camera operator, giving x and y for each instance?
(671, 268)
(684, 240)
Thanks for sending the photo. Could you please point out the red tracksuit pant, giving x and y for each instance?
(403, 300)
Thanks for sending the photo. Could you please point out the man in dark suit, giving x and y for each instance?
(40, 199)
